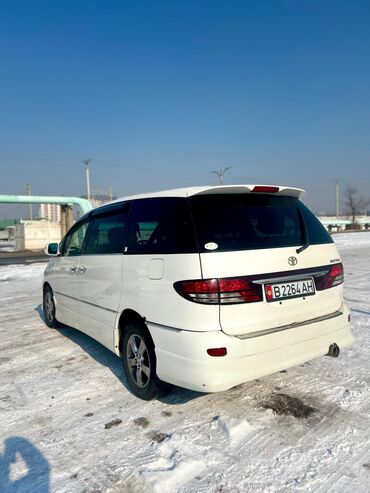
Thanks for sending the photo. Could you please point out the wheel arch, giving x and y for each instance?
(45, 285)
(128, 315)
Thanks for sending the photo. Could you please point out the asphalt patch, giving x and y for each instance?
(166, 413)
(157, 436)
(142, 422)
(284, 404)
(115, 422)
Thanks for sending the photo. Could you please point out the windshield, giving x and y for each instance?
(227, 222)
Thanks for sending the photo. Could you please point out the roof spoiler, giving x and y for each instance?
(273, 189)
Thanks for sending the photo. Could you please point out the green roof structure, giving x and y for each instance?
(8, 222)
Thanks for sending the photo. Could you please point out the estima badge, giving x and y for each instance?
(292, 261)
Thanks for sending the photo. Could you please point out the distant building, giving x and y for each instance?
(51, 212)
(7, 229)
(98, 200)
(35, 235)
(335, 224)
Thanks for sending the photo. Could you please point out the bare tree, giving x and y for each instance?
(355, 203)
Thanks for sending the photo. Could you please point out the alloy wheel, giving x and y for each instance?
(138, 360)
(49, 306)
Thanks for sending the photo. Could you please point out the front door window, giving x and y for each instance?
(74, 241)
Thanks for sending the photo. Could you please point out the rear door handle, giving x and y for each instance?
(82, 269)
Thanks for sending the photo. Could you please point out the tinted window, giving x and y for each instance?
(247, 221)
(317, 234)
(161, 225)
(73, 242)
(106, 234)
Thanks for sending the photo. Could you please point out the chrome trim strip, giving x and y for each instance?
(296, 277)
(294, 325)
(87, 302)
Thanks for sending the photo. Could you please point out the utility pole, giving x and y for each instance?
(220, 173)
(29, 191)
(337, 198)
(86, 163)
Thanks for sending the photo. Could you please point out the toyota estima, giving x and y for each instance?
(205, 287)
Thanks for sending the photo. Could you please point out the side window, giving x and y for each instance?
(73, 243)
(161, 225)
(106, 234)
(145, 230)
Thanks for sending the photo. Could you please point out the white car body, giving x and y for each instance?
(94, 292)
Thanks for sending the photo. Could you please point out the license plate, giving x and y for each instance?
(292, 289)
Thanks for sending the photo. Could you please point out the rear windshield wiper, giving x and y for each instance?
(306, 243)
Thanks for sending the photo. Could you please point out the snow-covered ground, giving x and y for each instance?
(68, 424)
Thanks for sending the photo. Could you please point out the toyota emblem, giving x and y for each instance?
(292, 261)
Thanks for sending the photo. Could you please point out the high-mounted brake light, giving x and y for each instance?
(226, 291)
(264, 189)
(333, 277)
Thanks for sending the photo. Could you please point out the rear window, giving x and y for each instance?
(247, 222)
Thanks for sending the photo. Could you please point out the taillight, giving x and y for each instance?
(226, 291)
(199, 291)
(239, 290)
(331, 278)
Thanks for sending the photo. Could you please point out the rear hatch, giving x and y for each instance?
(275, 264)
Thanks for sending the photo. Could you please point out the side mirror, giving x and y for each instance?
(52, 249)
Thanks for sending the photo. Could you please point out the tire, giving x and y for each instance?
(140, 363)
(48, 306)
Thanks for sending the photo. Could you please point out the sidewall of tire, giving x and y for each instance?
(155, 386)
(54, 323)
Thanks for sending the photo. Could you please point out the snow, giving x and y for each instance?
(346, 241)
(59, 389)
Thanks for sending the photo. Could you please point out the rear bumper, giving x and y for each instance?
(182, 357)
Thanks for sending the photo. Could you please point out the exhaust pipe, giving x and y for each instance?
(333, 350)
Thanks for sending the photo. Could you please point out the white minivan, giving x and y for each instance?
(204, 287)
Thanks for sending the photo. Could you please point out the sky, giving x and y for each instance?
(158, 94)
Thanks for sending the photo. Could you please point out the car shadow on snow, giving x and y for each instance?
(362, 312)
(96, 350)
(23, 467)
(179, 395)
(107, 358)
